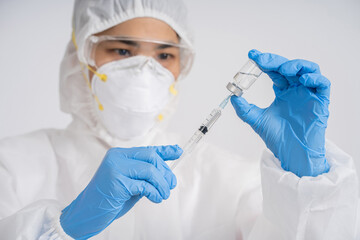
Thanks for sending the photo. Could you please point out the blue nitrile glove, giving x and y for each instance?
(124, 176)
(293, 126)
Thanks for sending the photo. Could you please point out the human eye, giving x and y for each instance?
(122, 52)
(165, 56)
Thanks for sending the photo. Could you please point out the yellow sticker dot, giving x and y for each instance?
(172, 90)
(160, 117)
(103, 77)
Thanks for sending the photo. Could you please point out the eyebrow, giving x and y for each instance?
(136, 44)
(131, 43)
(163, 46)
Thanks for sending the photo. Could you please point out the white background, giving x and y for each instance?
(34, 35)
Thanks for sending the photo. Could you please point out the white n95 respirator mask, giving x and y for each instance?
(133, 95)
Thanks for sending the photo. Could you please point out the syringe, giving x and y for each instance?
(203, 129)
(243, 80)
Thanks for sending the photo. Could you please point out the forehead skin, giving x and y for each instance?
(144, 27)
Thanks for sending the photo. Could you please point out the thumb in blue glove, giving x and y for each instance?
(124, 176)
(293, 126)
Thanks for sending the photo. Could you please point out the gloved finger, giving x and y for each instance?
(140, 170)
(159, 163)
(278, 80)
(151, 155)
(169, 152)
(148, 154)
(270, 63)
(293, 69)
(143, 188)
(249, 113)
(277, 90)
(317, 81)
(266, 61)
(298, 67)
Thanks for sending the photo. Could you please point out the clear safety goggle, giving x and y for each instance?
(105, 49)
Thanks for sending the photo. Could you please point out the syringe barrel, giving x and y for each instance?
(189, 146)
(212, 118)
(198, 135)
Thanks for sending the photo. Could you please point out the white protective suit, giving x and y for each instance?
(219, 195)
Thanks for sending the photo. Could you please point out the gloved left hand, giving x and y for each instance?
(293, 126)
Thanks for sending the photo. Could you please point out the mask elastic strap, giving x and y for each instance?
(103, 77)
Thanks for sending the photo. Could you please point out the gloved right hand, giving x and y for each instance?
(124, 176)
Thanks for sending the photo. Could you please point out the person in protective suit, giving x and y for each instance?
(107, 175)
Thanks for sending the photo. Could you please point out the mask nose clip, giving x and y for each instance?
(143, 64)
(148, 62)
